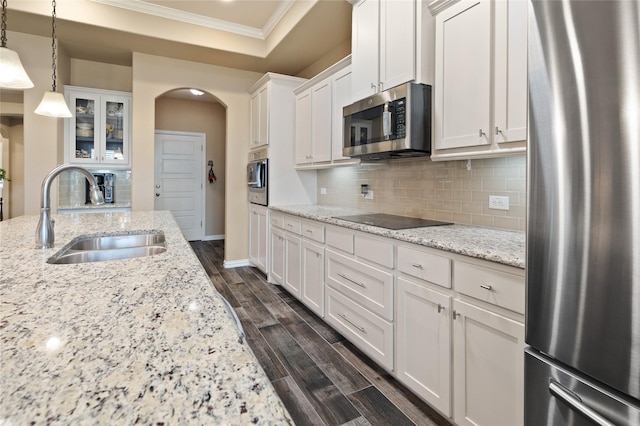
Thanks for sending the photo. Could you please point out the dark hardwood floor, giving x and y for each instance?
(321, 377)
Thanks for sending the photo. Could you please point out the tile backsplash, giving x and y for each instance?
(71, 187)
(448, 190)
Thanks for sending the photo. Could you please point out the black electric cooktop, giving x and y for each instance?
(390, 221)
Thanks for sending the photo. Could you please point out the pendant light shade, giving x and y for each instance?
(12, 73)
(53, 103)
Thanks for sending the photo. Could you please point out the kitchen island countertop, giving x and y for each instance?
(144, 340)
(495, 245)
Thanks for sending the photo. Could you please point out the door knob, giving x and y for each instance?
(157, 194)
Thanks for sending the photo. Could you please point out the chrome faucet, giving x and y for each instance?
(44, 231)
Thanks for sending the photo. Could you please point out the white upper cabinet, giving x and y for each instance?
(99, 133)
(270, 98)
(319, 121)
(481, 79)
(383, 45)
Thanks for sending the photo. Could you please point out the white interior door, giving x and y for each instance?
(179, 174)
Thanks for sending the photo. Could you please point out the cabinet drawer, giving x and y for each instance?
(313, 231)
(426, 266)
(276, 220)
(374, 249)
(340, 238)
(293, 224)
(496, 287)
(373, 335)
(370, 287)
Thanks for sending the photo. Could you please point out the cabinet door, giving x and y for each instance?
(321, 121)
(365, 48)
(463, 75)
(510, 79)
(303, 128)
(341, 97)
(262, 240)
(263, 127)
(423, 343)
(276, 271)
(488, 365)
(293, 254)
(312, 292)
(255, 121)
(116, 124)
(84, 131)
(397, 42)
(254, 235)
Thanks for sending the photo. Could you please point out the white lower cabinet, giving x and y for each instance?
(488, 366)
(276, 270)
(258, 236)
(423, 342)
(312, 291)
(293, 264)
(369, 332)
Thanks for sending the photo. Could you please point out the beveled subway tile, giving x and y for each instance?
(493, 184)
(507, 223)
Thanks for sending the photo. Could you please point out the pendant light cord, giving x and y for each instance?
(4, 23)
(54, 57)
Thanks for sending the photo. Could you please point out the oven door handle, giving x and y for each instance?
(575, 403)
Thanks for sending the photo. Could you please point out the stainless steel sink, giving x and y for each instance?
(97, 248)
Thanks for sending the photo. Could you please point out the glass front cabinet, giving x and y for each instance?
(99, 133)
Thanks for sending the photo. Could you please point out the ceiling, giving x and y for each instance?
(284, 36)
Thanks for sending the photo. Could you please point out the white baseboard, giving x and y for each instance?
(236, 263)
(213, 237)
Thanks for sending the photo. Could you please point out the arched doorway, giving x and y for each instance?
(181, 111)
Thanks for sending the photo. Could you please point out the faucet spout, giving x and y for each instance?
(44, 232)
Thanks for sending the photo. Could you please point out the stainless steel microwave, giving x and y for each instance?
(391, 124)
(257, 181)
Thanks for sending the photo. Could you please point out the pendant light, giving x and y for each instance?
(53, 103)
(12, 73)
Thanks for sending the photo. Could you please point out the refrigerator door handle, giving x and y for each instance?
(574, 402)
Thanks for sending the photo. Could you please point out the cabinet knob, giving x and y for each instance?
(456, 314)
(417, 265)
(373, 86)
(481, 133)
(157, 194)
(486, 287)
(498, 131)
(440, 308)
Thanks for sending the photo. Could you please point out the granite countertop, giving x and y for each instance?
(144, 340)
(89, 207)
(495, 245)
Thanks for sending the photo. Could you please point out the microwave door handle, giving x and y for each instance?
(386, 123)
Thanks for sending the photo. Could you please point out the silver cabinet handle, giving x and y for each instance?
(576, 404)
(343, 316)
(417, 265)
(481, 133)
(456, 314)
(440, 308)
(353, 281)
(373, 86)
(234, 316)
(486, 287)
(309, 231)
(498, 131)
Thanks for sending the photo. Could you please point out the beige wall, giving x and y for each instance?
(154, 76)
(209, 118)
(12, 129)
(434, 190)
(99, 75)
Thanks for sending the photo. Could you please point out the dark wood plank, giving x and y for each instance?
(360, 421)
(341, 373)
(378, 409)
(268, 360)
(321, 327)
(258, 313)
(297, 404)
(221, 285)
(412, 406)
(330, 404)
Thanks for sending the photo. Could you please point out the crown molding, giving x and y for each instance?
(142, 6)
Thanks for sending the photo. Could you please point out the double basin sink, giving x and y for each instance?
(97, 248)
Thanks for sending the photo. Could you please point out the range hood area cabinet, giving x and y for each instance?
(392, 42)
(271, 106)
(99, 132)
(480, 105)
(319, 119)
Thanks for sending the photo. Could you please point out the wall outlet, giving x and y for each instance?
(498, 203)
(323, 191)
(369, 195)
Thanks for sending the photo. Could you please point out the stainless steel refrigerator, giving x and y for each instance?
(583, 233)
